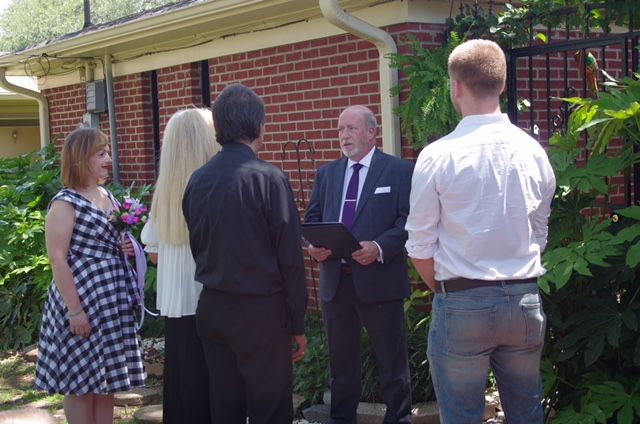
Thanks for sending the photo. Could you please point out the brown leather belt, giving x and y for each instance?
(459, 284)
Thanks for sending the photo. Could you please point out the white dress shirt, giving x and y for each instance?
(366, 163)
(362, 176)
(177, 291)
(480, 202)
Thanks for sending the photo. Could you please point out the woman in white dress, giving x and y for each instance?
(187, 144)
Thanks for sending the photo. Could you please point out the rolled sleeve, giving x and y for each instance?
(540, 218)
(424, 206)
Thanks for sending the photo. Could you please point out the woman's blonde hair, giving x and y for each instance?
(187, 144)
(480, 65)
(75, 157)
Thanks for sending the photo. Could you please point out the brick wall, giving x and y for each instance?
(178, 88)
(66, 107)
(135, 128)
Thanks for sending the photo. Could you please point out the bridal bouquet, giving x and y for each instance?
(128, 214)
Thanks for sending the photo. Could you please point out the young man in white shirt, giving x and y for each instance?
(479, 207)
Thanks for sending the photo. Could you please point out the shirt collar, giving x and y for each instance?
(475, 120)
(365, 161)
(239, 147)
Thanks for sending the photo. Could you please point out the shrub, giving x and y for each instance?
(591, 362)
(28, 182)
(311, 375)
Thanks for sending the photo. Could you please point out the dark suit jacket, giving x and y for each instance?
(380, 217)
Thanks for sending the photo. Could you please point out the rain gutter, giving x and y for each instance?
(43, 105)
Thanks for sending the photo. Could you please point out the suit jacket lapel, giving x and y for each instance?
(335, 185)
(375, 170)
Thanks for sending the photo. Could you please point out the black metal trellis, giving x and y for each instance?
(304, 183)
(601, 45)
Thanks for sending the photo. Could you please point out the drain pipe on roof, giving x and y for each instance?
(111, 109)
(388, 76)
(43, 105)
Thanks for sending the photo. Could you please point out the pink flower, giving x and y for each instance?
(128, 214)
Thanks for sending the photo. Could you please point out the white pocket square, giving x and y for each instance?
(379, 190)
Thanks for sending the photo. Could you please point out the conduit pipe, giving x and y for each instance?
(43, 105)
(111, 109)
(388, 76)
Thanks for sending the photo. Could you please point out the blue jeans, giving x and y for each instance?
(498, 326)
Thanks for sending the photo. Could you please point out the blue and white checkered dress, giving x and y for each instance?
(110, 360)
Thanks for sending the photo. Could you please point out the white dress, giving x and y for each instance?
(177, 291)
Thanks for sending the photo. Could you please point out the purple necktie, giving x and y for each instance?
(351, 198)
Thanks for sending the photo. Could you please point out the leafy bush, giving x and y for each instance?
(591, 362)
(28, 182)
(311, 375)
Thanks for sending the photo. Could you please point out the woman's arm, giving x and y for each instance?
(58, 229)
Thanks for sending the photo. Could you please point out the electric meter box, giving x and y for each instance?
(96, 97)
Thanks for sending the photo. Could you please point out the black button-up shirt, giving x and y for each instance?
(244, 229)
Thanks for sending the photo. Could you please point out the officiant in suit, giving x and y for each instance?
(368, 191)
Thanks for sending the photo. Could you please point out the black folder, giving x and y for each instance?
(331, 235)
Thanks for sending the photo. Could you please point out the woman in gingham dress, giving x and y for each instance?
(89, 347)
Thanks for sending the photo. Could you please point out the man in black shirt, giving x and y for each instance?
(245, 238)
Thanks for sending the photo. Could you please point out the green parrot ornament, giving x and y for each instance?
(587, 61)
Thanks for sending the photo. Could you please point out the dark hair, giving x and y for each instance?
(238, 113)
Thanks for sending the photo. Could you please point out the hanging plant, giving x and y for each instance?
(427, 113)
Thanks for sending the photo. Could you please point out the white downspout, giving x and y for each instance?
(388, 76)
(111, 109)
(43, 105)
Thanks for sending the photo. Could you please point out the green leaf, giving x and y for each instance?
(592, 123)
(594, 350)
(549, 376)
(630, 212)
(633, 256)
(629, 319)
(613, 335)
(612, 397)
(627, 234)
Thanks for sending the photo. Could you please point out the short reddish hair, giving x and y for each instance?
(77, 149)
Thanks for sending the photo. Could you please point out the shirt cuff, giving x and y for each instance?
(420, 251)
(150, 248)
(380, 254)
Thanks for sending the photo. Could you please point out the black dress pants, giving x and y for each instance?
(247, 346)
(344, 317)
(186, 379)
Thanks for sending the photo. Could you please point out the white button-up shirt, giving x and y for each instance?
(480, 202)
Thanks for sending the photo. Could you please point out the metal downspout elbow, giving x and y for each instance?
(388, 76)
(43, 105)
